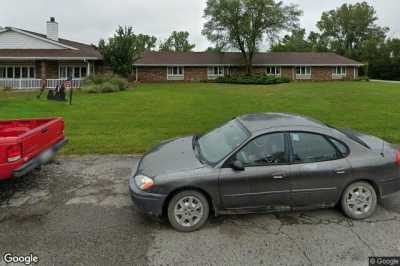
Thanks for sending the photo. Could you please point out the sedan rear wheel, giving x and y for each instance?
(188, 211)
(359, 200)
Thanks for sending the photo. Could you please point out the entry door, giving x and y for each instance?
(265, 181)
(319, 170)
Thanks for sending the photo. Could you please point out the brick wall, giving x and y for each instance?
(350, 73)
(46, 69)
(287, 72)
(321, 73)
(157, 74)
(195, 73)
(152, 74)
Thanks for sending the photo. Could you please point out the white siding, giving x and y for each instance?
(15, 40)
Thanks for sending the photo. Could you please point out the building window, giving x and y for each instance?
(17, 72)
(175, 73)
(2, 72)
(215, 71)
(339, 71)
(303, 72)
(273, 71)
(74, 72)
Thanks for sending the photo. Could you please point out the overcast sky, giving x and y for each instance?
(90, 20)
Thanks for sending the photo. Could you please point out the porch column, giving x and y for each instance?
(43, 70)
(88, 69)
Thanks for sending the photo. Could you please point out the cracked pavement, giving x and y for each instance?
(77, 211)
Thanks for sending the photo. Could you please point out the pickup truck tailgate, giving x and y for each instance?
(42, 138)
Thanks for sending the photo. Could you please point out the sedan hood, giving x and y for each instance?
(169, 157)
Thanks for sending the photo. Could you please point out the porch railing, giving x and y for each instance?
(36, 83)
(52, 83)
(21, 83)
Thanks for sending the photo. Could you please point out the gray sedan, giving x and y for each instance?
(265, 162)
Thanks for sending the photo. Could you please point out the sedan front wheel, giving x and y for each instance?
(359, 200)
(188, 211)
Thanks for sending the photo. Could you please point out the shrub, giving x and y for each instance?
(105, 84)
(252, 79)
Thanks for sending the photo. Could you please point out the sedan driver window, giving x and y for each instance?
(308, 148)
(265, 150)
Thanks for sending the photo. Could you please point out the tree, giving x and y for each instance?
(296, 42)
(348, 27)
(177, 42)
(124, 48)
(244, 24)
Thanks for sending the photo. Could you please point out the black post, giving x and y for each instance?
(70, 90)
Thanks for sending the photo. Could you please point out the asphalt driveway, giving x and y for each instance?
(77, 211)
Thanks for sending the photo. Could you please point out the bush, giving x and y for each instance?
(105, 84)
(252, 79)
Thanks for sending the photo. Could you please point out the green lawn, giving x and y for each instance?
(134, 120)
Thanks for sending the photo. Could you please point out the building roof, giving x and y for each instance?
(70, 49)
(235, 58)
(259, 121)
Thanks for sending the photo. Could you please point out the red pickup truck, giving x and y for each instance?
(27, 144)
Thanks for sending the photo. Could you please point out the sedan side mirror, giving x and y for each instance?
(237, 165)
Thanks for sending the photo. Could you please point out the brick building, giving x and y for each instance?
(201, 66)
(27, 58)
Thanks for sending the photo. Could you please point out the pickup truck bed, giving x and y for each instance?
(27, 144)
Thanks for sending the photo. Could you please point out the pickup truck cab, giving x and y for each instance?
(27, 144)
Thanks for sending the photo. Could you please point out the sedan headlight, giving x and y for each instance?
(144, 182)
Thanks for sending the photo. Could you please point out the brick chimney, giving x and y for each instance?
(52, 29)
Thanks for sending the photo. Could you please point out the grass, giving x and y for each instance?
(134, 120)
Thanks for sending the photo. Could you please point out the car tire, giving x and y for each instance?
(359, 200)
(188, 211)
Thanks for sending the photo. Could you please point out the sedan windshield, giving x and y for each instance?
(218, 143)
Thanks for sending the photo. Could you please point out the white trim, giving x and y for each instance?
(19, 66)
(304, 75)
(240, 65)
(43, 39)
(72, 66)
(211, 75)
(177, 76)
(276, 73)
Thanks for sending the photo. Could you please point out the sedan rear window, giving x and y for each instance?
(309, 148)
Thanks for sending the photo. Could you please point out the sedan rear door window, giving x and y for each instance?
(309, 148)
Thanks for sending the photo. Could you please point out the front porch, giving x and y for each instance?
(32, 75)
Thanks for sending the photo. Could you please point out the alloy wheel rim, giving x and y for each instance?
(359, 200)
(188, 211)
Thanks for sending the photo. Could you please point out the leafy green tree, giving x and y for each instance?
(124, 48)
(244, 24)
(177, 42)
(348, 27)
(295, 42)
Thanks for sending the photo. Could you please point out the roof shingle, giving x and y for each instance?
(235, 58)
(82, 50)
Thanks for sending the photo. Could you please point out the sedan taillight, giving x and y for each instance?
(14, 153)
(398, 157)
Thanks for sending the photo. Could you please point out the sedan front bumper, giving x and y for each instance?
(149, 203)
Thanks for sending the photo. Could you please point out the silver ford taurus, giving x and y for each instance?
(265, 162)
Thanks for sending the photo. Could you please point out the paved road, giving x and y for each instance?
(77, 211)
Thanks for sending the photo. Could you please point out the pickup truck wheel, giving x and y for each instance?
(359, 200)
(188, 211)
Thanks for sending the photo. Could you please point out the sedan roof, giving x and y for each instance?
(259, 121)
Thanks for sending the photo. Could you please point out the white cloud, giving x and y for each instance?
(90, 20)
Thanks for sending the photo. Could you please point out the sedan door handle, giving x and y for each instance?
(278, 177)
(340, 172)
